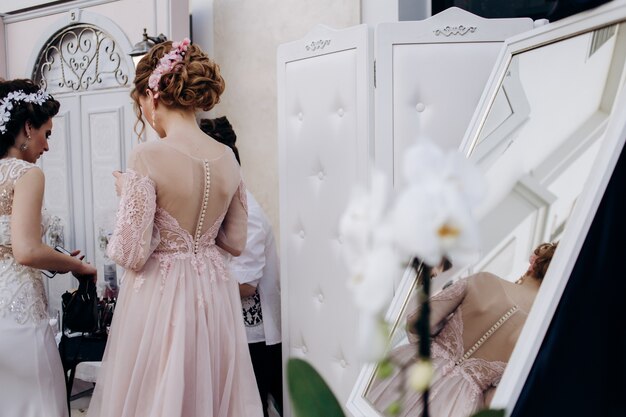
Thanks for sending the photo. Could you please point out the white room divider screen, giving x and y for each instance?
(324, 100)
(429, 78)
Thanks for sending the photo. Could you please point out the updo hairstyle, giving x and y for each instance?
(23, 112)
(194, 83)
(543, 253)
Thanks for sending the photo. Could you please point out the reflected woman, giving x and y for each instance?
(475, 324)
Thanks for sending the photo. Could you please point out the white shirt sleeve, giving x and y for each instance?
(247, 268)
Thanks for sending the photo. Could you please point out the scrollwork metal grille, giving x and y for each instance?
(79, 58)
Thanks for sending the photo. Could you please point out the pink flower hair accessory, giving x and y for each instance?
(167, 64)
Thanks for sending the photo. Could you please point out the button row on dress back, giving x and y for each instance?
(487, 335)
(205, 201)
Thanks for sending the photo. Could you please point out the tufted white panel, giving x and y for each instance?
(324, 90)
(430, 76)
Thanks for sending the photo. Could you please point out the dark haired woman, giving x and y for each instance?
(475, 324)
(31, 374)
(177, 346)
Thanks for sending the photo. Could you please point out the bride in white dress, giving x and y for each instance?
(31, 375)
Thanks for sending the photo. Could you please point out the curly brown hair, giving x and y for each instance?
(194, 83)
(543, 253)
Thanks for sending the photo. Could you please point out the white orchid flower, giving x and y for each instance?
(432, 221)
(373, 263)
(425, 163)
(372, 285)
(420, 375)
(372, 338)
(468, 179)
(432, 216)
(360, 222)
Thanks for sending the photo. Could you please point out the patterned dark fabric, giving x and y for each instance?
(252, 314)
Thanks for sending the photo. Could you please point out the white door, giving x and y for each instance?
(92, 136)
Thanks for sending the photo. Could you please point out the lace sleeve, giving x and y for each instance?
(233, 232)
(442, 304)
(134, 237)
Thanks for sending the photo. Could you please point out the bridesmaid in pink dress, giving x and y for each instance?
(177, 346)
(475, 324)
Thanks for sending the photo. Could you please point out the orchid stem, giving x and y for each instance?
(422, 325)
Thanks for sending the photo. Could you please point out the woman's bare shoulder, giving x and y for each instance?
(150, 153)
(485, 276)
(485, 279)
(149, 147)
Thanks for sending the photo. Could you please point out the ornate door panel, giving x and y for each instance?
(62, 168)
(91, 138)
(89, 72)
(107, 123)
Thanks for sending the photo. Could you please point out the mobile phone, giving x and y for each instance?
(57, 248)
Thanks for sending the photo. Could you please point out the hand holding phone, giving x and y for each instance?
(57, 248)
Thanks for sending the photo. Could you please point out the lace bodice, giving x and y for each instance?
(145, 229)
(22, 292)
(448, 345)
(11, 169)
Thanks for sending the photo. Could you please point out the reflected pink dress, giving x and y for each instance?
(177, 346)
(461, 378)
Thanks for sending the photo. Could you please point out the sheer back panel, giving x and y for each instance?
(180, 182)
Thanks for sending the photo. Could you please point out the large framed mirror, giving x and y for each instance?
(546, 135)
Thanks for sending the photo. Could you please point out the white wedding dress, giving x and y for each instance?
(31, 374)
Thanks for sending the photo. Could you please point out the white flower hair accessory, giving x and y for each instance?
(6, 104)
(167, 63)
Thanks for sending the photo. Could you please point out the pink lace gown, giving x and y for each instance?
(177, 345)
(459, 384)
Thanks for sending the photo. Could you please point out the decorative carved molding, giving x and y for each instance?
(315, 45)
(455, 30)
(78, 58)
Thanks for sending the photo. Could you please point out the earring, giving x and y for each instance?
(153, 118)
(24, 146)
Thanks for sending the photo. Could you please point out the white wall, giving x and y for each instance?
(202, 24)
(3, 58)
(9, 6)
(414, 9)
(374, 12)
(247, 35)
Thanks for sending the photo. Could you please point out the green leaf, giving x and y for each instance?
(385, 369)
(310, 395)
(394, 408)
(489, 413)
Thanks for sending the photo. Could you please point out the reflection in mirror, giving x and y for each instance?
(536, 148)
(474, 322)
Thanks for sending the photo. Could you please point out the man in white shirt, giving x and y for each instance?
(258, 272)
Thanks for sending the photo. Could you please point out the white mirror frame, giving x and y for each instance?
(556, 279)
(548, 298)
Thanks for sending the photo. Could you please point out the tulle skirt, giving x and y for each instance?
(31, 374)
(451, 395)
(177, 348)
